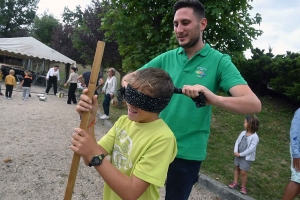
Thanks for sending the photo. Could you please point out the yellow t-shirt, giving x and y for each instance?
(10, 80)
(142, 149)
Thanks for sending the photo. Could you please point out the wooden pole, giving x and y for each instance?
(85, 117)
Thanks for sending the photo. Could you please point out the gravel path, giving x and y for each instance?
(35, 156)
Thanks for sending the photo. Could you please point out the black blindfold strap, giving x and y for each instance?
(200, 101)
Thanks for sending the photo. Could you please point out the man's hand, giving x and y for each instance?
(193, 91)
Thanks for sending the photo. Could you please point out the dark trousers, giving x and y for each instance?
(182, 175)
(71, 93)
(52, 80)
(106, 103)
(9, 90)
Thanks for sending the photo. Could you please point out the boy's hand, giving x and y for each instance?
(84, 145)
(86, 104)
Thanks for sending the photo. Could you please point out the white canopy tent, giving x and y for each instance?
(29, 47)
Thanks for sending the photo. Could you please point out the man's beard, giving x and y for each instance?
(191, 43)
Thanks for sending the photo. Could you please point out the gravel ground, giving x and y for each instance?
(35, 157)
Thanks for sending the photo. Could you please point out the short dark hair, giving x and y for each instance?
(154, 82)
(196, 5)
(74, 69)
(56, 66)
(253, 123)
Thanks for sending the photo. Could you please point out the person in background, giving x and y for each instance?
(10, 83)
(1, 77)
(196, 68)
(84, 79)
(52, 78)
(73, 78)
(26, 85)
(244, 152)
(292, 189)
(109, 89)
(141, 146)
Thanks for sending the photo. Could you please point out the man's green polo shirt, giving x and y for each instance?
(191, 125)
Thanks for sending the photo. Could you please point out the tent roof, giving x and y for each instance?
(29, 47)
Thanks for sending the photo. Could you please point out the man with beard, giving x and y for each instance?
(196, 68)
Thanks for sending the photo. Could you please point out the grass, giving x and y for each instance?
(270, 172)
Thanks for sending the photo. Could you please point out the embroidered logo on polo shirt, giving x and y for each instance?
(200, 71)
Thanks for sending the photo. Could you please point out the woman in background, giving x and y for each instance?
(73, 86)
(109, 89)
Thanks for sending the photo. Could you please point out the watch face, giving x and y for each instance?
(97, 161)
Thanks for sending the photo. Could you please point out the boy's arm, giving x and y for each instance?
(126, 187)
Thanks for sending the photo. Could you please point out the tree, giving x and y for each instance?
(87, 34)
(43, 27)
(16, 14)
(254, 70)
(62, 42)
(143, 29)
(73, 18)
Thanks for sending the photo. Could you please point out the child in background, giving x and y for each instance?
(244, 152)
(26, 85)
(10, 83)
(141, 146)
(1, 76)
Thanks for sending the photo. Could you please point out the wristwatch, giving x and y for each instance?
(97, 160)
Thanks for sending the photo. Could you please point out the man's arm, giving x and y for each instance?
(242, 101)
(80, 79)
(100, 83)
(48, 74)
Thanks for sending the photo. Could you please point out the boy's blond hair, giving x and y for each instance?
(11, 72)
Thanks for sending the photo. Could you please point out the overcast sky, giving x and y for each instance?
(280, 21)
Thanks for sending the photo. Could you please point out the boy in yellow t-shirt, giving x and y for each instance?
(10, 83)
(141, 146)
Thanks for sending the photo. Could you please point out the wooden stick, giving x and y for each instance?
(85, 117)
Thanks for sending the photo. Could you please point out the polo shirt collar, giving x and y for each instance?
(203, 52)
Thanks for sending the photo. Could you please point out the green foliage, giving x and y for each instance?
(230, 25)
(74, 18)
(88, 33)
(143, 29)
(285, 74)
(253, 70)
(15, 15)
(44, 27)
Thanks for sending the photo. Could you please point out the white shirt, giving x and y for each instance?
(51, 72)
(110, 86)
